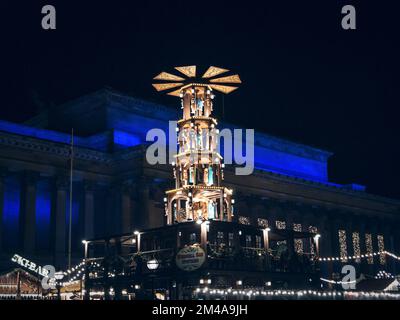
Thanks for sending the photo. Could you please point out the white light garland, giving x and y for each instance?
(363, 256)
(384, 275)
(298, 293)
(337, 282)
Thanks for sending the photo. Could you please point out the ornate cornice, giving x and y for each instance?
(30, 144)
(57, 149)
(325, 187)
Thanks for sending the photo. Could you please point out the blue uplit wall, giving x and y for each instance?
(118, 121)
(43, 214)
(135, 123)
(12, 189)
(124, 139)
(126, 129)
(289, 164)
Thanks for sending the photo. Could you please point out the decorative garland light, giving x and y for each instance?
(337, 282)
(381, 247)
(363, 256)
(369, 247)
(384, 275)
(392, 255)
(356, 245)
(343, 245)
(297, 293)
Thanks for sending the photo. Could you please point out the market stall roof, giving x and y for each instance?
(14, 270)
(377, 285)
(8, 281)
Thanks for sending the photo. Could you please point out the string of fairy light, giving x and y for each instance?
(77, 272)
(382, 274)
(252, 293)
(337, 282)
(74, 273)
(358, 257)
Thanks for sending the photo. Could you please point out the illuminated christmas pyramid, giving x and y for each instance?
(198, 169)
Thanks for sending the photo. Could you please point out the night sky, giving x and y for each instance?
(304, 77)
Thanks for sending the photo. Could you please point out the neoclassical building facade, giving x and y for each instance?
(116, 191)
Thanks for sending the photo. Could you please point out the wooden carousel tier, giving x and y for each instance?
(197, 119)
(189, 188)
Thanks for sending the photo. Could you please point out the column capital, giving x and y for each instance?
(31, 177)
(89, 185)
(62, 182)
(3, 173)
(145, 181)
(127, 186)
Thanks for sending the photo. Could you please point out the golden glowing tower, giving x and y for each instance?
(198, 170)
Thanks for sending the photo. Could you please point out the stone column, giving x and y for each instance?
(2, 176)
(28, 212)
(328, 244)
(144, 198)
(126, 207)
(336, 225)
(88, 211)
(156, 213)
(60, 223)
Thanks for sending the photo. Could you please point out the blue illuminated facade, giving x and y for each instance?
(116, 191)
(43, 214)
(11, 208)
(125, 121)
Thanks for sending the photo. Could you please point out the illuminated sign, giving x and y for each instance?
(29, 265)
(190, 258)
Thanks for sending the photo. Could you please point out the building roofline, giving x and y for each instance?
(262, 139)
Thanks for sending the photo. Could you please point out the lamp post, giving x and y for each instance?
(266, 247)
(58, 276)
(204, 226)
(85, 243)
(85, 293)
(316, 240)
(266, 238)
(137, 234)
(152, 265)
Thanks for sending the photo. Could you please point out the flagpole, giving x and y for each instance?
(70, 200)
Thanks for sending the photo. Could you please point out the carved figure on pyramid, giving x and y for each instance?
(198, 169)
